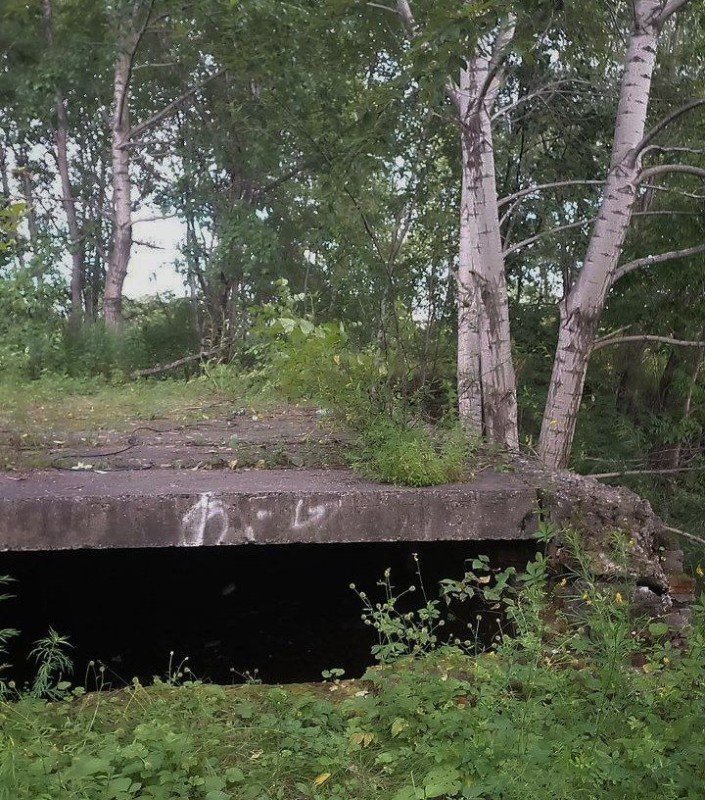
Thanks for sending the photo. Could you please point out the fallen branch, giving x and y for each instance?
(672, 471)
(607, 340)
(687, 535)
(143, 373)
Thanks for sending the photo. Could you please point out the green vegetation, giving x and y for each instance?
(582, 702)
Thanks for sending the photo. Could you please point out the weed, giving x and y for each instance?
(390, 452)
(540, 714)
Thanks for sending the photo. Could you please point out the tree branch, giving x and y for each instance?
(531, 189)
(654, 132)
(171, 107)
(180, 362)
(605, 341)
(671, 8)
(672, 471)
(648, 261)
(133, 45)
(407, 15)
(662, 169)
(687, 535)
(557, 229)
(672, 190)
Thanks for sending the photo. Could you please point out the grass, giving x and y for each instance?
(35, 415)
(592, 704)
(50, 405)
(443, 726)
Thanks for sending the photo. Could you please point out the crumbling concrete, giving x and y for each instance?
(56, 510)
(59, 510)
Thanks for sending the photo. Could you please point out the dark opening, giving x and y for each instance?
(285, 611)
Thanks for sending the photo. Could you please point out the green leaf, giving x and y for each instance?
(307, 327)
(442, 780)
(234, 775)
(658, 629)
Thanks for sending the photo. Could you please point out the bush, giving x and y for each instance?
(413, 455)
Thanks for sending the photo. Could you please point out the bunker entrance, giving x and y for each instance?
(281, 613)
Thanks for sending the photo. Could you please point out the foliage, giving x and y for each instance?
(413, 455)
(592, 705)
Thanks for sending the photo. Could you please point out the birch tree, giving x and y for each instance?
(486, 379)
(581, 308)
(485, 372)
(61, 138)
(126, 140)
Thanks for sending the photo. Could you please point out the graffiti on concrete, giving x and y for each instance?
(210, 522)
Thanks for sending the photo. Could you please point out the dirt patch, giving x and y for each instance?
(287, 437)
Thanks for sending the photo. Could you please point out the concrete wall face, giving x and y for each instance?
(186, 509)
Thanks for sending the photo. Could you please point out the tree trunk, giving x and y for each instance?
(468, 302)
(121, 244)
(581, 309)
(486, 379)
(76, 247)
(25, 177)
(4, 180)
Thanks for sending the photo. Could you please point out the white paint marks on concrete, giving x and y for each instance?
(205, 523)
(306, 516)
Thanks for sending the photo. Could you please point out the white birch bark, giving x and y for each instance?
(121, 244)
(486, 379)
(61, 134)
(580, 310)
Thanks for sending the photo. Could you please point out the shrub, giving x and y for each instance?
(412, 455)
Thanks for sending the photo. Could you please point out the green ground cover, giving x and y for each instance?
(588, 703)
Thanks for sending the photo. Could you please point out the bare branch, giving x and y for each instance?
(662, 169)
(148, 245)
(666, 213)
(663, 149)
(672, 471)
(671, 8)
(407, 15)
(548, 89)
(133, 43)
(648, 261)
(687, 535)
(143, 373)
(172, 107)
(605, 341)
(665, 122)
(526, 242)
(499, 49)
(155, 219)
(672, 190)
(155, 65)
(532, 189)
(404, 10)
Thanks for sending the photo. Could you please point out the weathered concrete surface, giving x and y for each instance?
(58, 510)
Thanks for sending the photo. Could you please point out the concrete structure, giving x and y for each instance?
(58, 510)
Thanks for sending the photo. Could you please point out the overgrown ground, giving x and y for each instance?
(65, 423)
(219, 420)
(594, 715)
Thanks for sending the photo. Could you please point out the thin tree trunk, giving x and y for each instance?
(484, 340)
(468, 302)
(4, 179)
(121, 244)
(76, 247)
(28, 196)
(580, 310)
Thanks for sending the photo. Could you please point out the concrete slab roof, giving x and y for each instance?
(57, 510)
